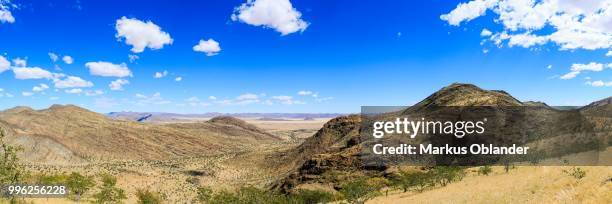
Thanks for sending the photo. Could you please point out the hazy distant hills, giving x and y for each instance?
(70, 134)
(174, 117)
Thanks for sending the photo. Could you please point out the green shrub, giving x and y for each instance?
(79, 185)
(108, 192)
(576, 172)
(148, 197)
(447, 174)
(203, 194)
(359, 191)
(484, 170)
(313, 196)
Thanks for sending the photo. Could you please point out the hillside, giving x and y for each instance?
(548, 131)
(68, 134)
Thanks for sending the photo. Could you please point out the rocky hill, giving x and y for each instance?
(336, 153)
(70, 134)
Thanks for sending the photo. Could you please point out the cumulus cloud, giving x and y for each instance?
(573, 25)
(4, 64)
(178, 79)
(72, 82)
(25, 93)
(599, 83)
(158, 75)
(609, 54)
(244, 99)
(107, 69)
(133, 58)
(117, 85)
(32, 73)
(195, 101)
(578, 68)
(67, 59)
(141, 35)
(210, 47)
(485, 32)
(279, 15)
(54, 57)
(5, 12)
(212, 98)
(40, 88)
(19, 62)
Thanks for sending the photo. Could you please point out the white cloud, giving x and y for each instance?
(248, 96)
(4, 64)
(609, 54)
(210, 47)
(117, 85)
(133, 58)
(67, 59)
(107, 69)
(141, 35)
(599, 83)
(569, 24)
(178, 79)
(19, 62)
(579, 68)
(72, 82)
(155, 99)
(74, 91)
(276, 14)
(27, 93)
(40, 88)
(549, 66)
(287, 100)
(485, 32)
(468, 11)
(305, 93)
(53, 98)
(212, 98)
(5, 14)
(324, 99)
(32, 73)
(94, 93)
(54, 57)
(158, 75)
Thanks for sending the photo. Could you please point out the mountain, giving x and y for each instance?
(338, 150)
(70, 134)
(158, 117)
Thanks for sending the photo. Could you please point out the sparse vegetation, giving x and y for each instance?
(79, 185)
(576, 172)
(108, 192)
(313, 196)
(484, 170)
(148, 197)
(10, 170)
(359, 191)
(203, 194)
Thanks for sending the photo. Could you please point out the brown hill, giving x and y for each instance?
(322, 155)
(68, 134)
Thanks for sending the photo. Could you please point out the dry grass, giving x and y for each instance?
(525, 184)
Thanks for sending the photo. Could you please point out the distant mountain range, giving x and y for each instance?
(175, 117)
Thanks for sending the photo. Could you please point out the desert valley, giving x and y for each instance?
(175, 156)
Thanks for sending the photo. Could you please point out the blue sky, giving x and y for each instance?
(341, 55)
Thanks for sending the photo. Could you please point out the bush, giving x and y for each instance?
(447, 174)
(148, 197)
(108, 193)
(359, 191)
(79, 185)
(10, 170)
(203, 194)
(575, 172)
(313, 196)
(484, 170)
